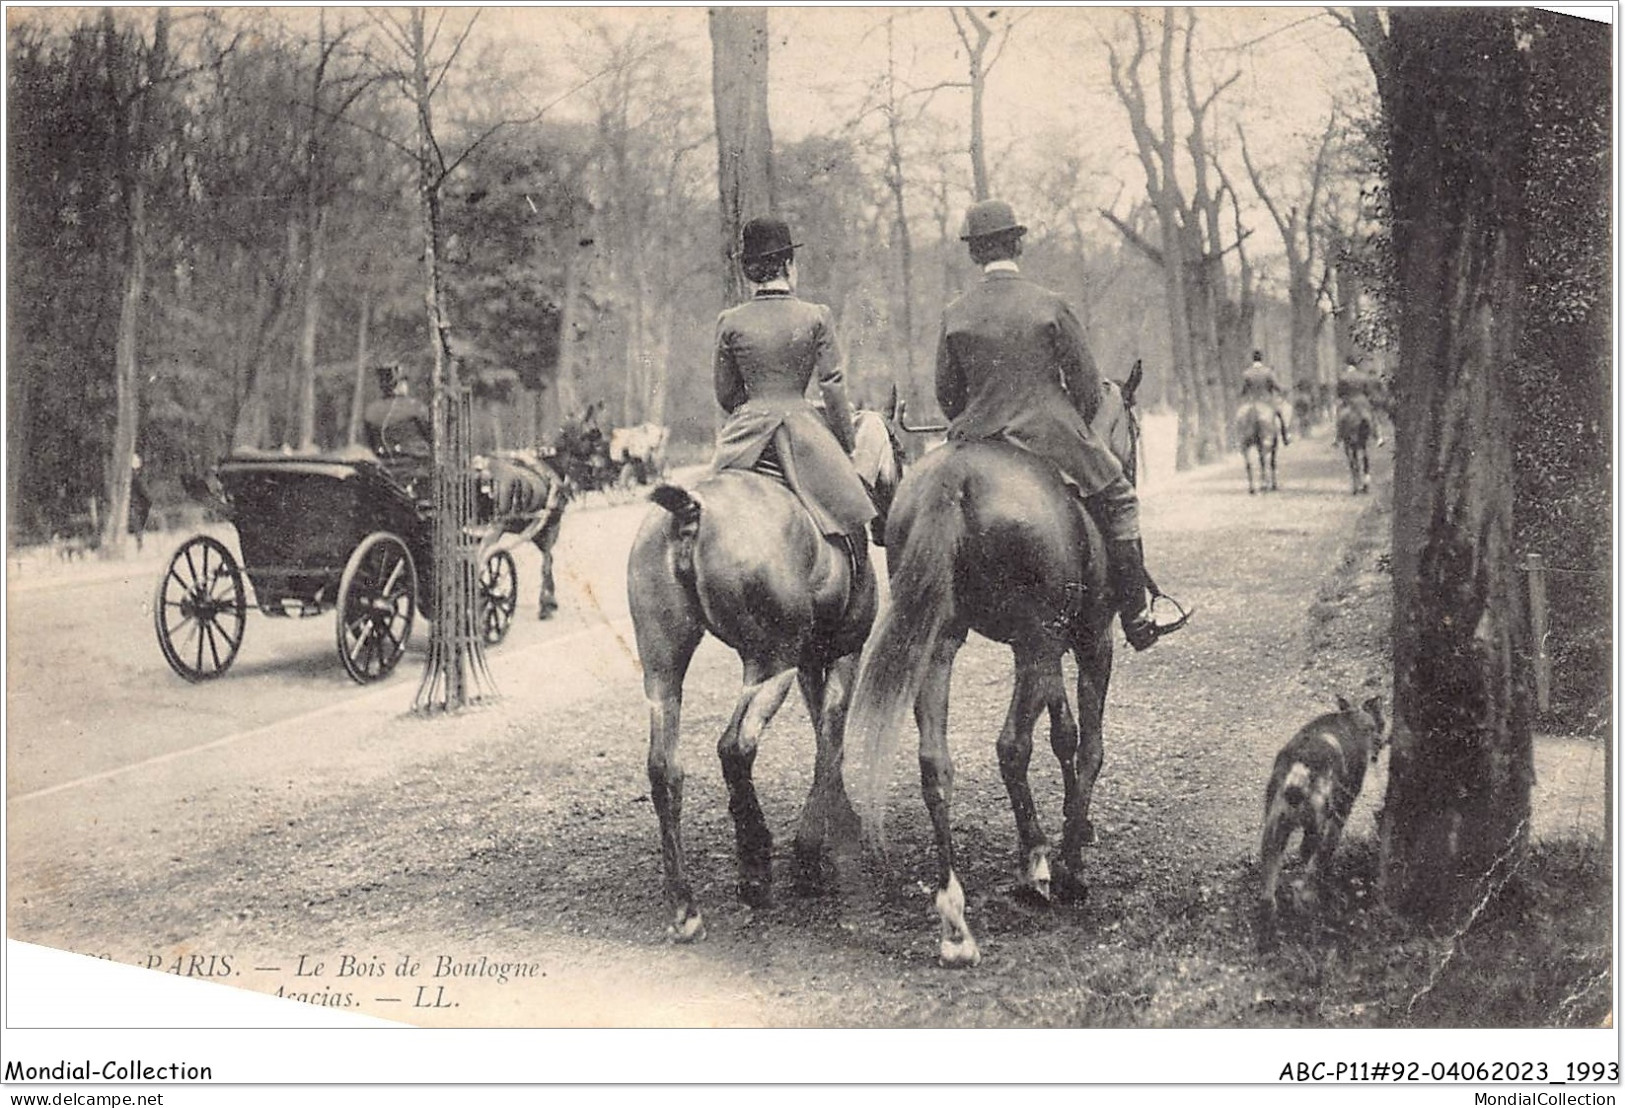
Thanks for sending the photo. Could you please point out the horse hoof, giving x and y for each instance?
(690, 929)
(1033, 886)
(1070, 889)
(1035, 895)
(811, 873)
(960, 954)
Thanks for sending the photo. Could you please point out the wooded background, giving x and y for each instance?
(214, 225)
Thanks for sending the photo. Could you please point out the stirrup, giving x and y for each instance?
(1143, 632)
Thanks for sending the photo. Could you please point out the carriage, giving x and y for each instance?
(318, 534)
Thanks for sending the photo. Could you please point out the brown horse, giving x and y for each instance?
(739, 557)
(1355, 428)
(985, 537)
(1259, 434)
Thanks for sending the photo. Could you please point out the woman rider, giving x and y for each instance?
(768, 349)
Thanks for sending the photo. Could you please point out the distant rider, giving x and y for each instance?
(1355, 389)
(1259, 383)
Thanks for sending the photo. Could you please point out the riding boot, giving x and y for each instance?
(1286, 436)
(1126, 558)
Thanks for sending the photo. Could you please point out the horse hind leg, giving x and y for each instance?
(547, 602)
(766, 686)
(1248, 459)
(1067, 869)
(1094, 659)
(1037, 685)
(668, 631)
(957, 947)
(828, 812)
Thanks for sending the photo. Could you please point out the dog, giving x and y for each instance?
(1317, 776)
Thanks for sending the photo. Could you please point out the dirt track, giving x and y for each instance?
(522, 833)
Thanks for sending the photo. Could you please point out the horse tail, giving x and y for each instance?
(901, 648)
(685, 511)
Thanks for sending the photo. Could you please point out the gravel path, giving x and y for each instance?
(522, 832)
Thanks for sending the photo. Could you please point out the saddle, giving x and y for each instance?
(769, 466)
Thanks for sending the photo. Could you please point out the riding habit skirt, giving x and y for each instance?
(815, 467)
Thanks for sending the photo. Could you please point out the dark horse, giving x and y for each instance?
(1259, 433)
(1355, 428)
(985, 537)
(525, 492)
(739, 556)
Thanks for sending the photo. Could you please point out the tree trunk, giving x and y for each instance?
(127, 368)
(739, 53)
(135, 89)
(894, 181)
(978, 140)
(975, 57)
(566, 390)
(358, 396)
(1456, 818)
(1201, 317)
(455, 674)
(311, 269)
(1306, 324)
(1349, 288)
(305, 405)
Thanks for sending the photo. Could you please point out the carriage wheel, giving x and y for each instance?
(200, 609)
(499, 596)
(377, 602)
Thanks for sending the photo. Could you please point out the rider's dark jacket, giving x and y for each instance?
(767, 351)
(1354, 383)
(1012, 364)
(1258, 381)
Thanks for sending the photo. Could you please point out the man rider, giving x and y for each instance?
(1355, 387)
(1258, 382)
(1012, 365)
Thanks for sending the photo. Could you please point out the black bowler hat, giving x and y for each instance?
(766, 237)
(990, 217)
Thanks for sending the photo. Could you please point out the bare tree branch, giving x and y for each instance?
(457, 48)
(534, 117)
(1134, 238)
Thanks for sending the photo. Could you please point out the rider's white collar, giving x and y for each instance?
(1003, 265)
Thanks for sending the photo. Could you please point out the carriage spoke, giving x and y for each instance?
(387, 633)
(394, 576)
(368, 658)
(361, 644)
(209, 630)
(197, 666)
(232, 640)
